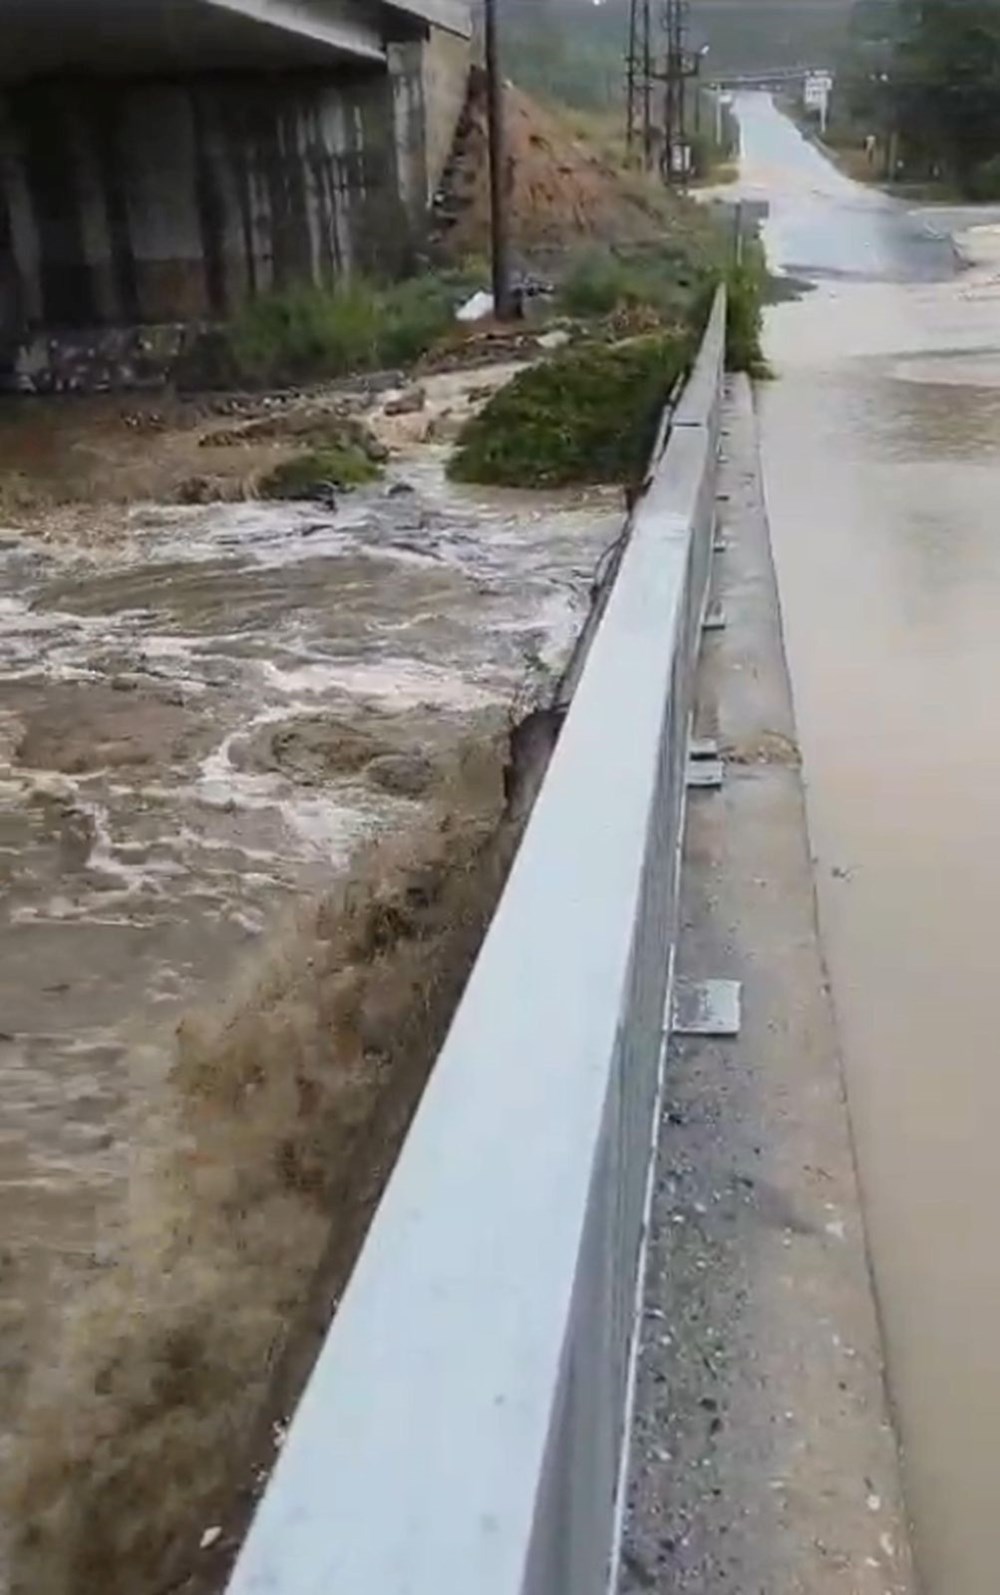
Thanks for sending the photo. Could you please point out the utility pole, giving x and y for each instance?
(502, 298)
(647, 83)
(639, 78)
(631, 69)
(674, 111)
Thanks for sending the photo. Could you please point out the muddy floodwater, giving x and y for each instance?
(881, 442)
(201, 716)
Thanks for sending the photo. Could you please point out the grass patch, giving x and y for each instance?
(314, 473)
(667, 277)
(589, 415)
(745, 286)
(309, 334)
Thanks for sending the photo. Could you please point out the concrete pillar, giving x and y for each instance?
(128, 202)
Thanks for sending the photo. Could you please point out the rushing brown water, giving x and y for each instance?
(200, 719)
(881, 441)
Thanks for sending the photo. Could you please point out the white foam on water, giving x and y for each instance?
(325, 825)
(405, 683)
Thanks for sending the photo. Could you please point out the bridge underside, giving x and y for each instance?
(164, 160)
(161, 37)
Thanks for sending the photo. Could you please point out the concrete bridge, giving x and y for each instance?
(778, 77)
(42, 37)
(162, 160)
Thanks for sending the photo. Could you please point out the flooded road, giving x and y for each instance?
(881, 443)
(201, 718)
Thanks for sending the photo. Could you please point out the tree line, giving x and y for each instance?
(926, 74)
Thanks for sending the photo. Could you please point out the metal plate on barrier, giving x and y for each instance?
(705, 774)
(707, 1008)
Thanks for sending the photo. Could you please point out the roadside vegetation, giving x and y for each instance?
(590, 412)
(589, 415)
(308, 334)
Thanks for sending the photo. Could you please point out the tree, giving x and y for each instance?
(944, 84)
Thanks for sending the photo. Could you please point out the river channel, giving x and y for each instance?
(205, 710)
(881, 445)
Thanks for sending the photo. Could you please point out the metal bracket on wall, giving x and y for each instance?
(707, 1008)
(705, 768)
(715, 618)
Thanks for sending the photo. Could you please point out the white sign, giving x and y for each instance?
(816, 93)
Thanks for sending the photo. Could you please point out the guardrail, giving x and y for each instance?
(463, 1432)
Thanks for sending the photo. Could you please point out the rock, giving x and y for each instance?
(408, 403)
(446, 429)
(376, 450)
(201, 490)
(402, 774)
(400, 489)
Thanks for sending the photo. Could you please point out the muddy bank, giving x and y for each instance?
(61, 458)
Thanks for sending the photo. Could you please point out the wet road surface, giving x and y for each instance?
(881, 445)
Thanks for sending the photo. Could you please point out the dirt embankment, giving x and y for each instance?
(561, 189)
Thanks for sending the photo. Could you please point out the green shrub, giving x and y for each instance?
(414, 315)
(596, 284)
(313, 474)
(745, 284)
(744, 326)
(665, 277)
(589, 415)
(308, 333)
(983, 183)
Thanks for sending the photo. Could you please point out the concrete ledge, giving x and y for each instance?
(464, 1427)
(454, 16)
(339, 25)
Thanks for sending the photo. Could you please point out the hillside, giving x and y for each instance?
(573, 50)
(562, 189)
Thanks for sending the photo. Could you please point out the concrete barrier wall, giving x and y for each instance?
(464, 1429)
(144, 202)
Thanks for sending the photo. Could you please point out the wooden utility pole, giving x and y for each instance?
(674, 117)
(639, 79)
(502, 297)
(631, 75)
